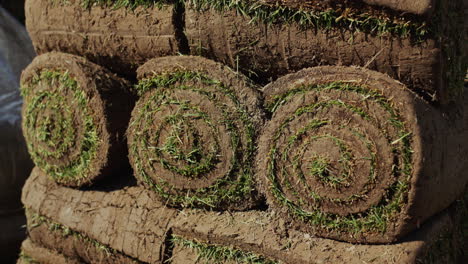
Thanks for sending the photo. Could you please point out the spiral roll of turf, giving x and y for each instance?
(337, 154)
(192, 133)
(74, 114)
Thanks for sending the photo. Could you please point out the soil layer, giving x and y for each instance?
(130, 221)
(31, 253)
(271, 237)
(192, 134)
(75, 114)
(353, 155)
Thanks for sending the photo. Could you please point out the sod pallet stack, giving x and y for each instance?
(246, 132)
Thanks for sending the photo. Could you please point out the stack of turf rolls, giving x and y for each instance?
(246, 132)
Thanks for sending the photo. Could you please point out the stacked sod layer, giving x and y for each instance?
(74, 116)
(192, 133)
(265, 39)
(425, 54)
(128, 225)
(348, 154)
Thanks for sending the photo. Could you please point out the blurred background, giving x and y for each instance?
(15, 8)
(16, 52)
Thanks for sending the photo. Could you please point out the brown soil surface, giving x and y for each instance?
(434, 166)
(34, 254)
(140, 227)
(265, 52)
(117, 39)
(109, 103)
(208, 121)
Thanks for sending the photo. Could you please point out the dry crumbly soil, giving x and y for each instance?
(266, 52)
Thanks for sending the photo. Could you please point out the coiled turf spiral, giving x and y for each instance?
(337, 156)
(192, 134)
(67, 121)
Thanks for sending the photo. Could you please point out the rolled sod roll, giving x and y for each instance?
(75, 114)
(119, 35)
(353, 155)
(192, 133)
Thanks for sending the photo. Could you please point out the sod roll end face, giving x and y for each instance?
(192, 133)
(66, 118)
(337, 156)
